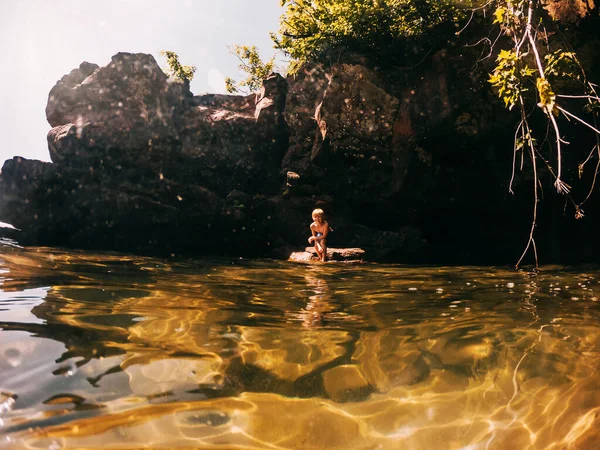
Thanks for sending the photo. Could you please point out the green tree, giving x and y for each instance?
(177, 70)
(255, 68)
(309, 28)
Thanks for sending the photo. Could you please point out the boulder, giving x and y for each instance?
(132, 147)
(341, 122)
(22, 192)
(305, 92)
(394, 150)
(67, 206)
(355, 116)
(127, 106)
(333, 254)
(139, 164)
(234, 143)
(353, 129)
(128, 114)
(346, 383)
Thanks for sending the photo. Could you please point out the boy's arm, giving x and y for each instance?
(314, 233)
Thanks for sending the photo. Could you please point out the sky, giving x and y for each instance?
(41, 40)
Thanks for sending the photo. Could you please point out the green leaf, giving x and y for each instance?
(253, 66)
(499, 14)
(176, 70)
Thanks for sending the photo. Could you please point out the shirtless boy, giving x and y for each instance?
(319, 229)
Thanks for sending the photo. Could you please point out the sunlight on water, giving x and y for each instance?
(119, 351)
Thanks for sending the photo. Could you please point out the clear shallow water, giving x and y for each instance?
(118, 351)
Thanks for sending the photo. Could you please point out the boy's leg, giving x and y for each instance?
(324, 249)
(318, 250)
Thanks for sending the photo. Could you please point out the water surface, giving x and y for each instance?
(101, 350)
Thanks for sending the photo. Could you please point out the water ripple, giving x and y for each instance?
(117, 350)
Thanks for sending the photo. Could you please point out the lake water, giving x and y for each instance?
(101, 350)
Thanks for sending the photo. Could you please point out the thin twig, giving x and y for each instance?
(578, 96)
(567, 113)
(553, 173)
(468, 22)
(577, 210)
(491, 48)
(594, 179)
(588, 157)
(531, 240)
(514, 158)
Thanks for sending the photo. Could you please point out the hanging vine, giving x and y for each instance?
(528, 72)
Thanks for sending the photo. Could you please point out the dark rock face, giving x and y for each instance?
(431, 173)
(59, 205)
(230, 142)
(127, 106)
(409, 165)
(139, 164)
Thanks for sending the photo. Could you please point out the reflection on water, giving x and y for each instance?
(117, 351)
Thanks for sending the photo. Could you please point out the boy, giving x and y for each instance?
(319, 229)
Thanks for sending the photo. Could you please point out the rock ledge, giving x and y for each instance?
(333, 254)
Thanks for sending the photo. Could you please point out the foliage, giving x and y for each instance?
(562, 64)
(309, 28)
(508, 76)
(523, 22)
(177, 70)
(251, 63)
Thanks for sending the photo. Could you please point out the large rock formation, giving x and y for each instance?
(114, 111)
(410, 163)
(140, 164)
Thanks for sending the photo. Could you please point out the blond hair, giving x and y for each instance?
(318, 213)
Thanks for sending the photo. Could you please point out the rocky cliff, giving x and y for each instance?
(410, 163)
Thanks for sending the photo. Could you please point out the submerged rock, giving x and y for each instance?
(346, 383)
(293, 355)
(153, 377)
